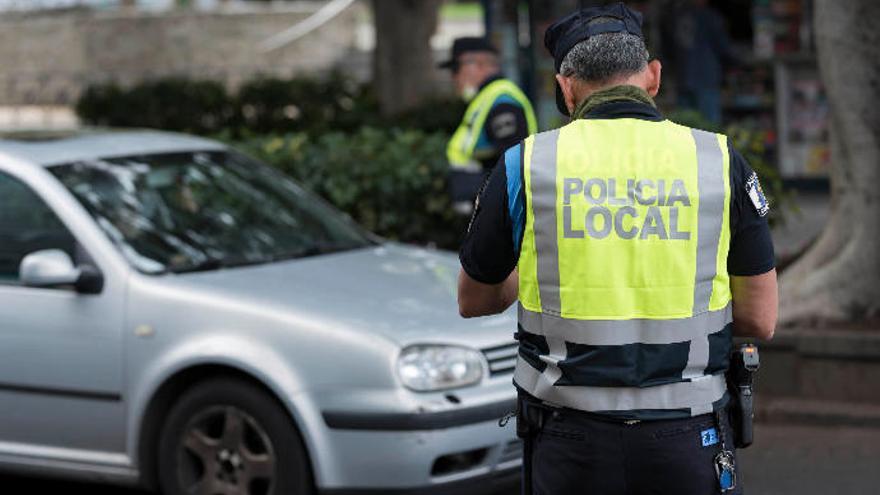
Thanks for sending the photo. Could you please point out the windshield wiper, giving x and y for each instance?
(202, 266)
(304, 252)
(313, 250)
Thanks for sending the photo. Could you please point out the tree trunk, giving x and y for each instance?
(838, 279)
(403, 65)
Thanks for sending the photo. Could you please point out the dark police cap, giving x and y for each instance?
(567, 32)
(467, 45)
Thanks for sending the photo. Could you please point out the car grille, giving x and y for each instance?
(502, 358)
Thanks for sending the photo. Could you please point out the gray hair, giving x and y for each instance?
(605, 57)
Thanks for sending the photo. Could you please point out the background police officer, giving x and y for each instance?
(637, 248)
(498, 116)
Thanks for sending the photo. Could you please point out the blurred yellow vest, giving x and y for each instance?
(460, 149)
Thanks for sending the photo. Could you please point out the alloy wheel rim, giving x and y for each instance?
(225, 451)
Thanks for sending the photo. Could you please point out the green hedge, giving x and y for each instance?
(264, 105)
(393, 182)
(272, 105)
(199, 107)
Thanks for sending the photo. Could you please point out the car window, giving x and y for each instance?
(27, 224)
(194, 211)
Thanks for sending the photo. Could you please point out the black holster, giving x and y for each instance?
(744, 364)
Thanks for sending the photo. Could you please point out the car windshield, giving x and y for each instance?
(197, 211)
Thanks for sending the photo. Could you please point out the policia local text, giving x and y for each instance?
(627, 222)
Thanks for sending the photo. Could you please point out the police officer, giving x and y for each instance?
(637, 249)
(498, 116)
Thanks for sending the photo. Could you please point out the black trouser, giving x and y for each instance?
(578, 454)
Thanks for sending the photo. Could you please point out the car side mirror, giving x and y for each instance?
(53, 268)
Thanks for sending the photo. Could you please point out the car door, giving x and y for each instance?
(60, 351)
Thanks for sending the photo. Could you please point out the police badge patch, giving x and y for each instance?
(504, 125)
(756, 194)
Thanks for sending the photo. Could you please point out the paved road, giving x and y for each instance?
(795, 460)
(809, 460)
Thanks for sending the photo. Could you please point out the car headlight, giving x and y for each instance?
(426, 368)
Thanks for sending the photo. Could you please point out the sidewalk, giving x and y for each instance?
(808, 460)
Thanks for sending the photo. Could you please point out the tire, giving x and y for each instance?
(229, 437)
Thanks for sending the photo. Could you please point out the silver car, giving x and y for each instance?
(177, 315)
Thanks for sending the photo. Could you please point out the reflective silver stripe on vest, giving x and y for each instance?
(710, 183)
(543, 185)
(622, 332)
(696, 395)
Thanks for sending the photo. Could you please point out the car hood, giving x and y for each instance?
(406, 294)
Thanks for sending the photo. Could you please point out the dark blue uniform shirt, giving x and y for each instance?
(490, 250)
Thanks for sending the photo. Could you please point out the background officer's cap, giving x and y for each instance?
(567, 32)
(467, 45)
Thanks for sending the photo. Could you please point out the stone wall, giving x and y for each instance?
(49, 58)
(827, 376)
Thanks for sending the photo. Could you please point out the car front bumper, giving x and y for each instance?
(437, 443)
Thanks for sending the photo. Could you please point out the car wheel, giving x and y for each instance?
(228, 437)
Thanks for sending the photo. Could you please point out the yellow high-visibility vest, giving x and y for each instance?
(623, 265)
(460, 149)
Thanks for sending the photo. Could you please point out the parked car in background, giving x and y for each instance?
(177, 315)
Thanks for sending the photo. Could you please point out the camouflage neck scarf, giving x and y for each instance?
(615, 93)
